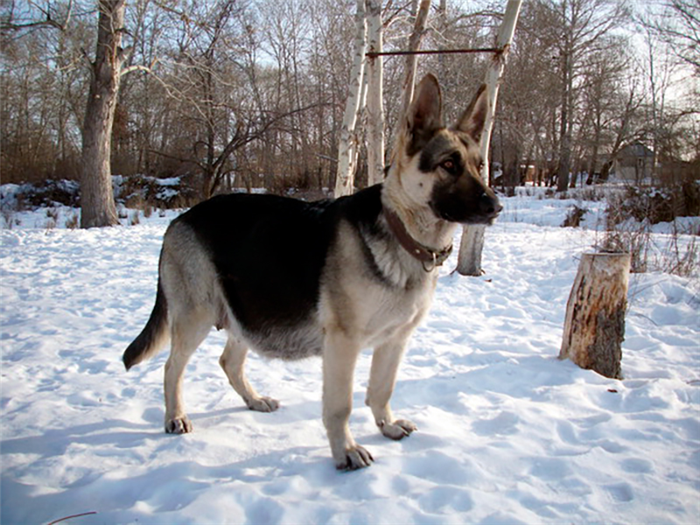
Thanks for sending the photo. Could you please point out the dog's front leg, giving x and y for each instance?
(339, 357)
(385, 365)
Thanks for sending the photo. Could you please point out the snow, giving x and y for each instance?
(507, 433)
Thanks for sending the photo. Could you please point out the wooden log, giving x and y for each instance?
(594, 327)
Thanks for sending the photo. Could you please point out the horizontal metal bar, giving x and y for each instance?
(373, 54)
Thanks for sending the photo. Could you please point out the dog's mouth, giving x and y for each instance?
(484, 211)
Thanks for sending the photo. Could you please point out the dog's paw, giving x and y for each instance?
(397, 430)
(356, 457)
(263, 404)
(178, 425)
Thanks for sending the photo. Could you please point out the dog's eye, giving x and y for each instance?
(448, 165)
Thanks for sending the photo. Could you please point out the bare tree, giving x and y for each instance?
(348, 140)
(97, 196)
(375, 94)
(24, 18)
(679, 26)
(582, 26)
(472, 245)
(672, 38)
(42, 83)
(257, 96)
(610, 97)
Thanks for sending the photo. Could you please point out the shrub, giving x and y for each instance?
(630, 216)
(658, 205)
(574, 217)
(635, 242)
(72, 222)
(141, 192)
(50, 193)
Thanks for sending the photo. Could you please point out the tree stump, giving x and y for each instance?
(594, 327)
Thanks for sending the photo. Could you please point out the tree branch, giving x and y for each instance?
(47, 22)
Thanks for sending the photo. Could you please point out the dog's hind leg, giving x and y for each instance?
(233, 361)
(187, 334)
(385, 364)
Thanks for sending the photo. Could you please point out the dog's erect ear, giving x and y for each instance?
(426, 108)
(473, 119)
(425, 114)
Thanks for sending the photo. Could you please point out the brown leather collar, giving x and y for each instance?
(424, 254)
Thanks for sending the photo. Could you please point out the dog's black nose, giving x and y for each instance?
(490, 206)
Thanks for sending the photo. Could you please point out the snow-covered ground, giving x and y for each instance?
(507, 433)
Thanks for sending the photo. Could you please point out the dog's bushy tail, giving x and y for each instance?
(153, 336)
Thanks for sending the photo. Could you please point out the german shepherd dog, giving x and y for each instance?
(291, 279)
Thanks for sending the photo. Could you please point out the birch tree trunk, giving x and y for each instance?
(345, 176)
(472, 243)
(97, 197)
(414, 41)
(375, 94)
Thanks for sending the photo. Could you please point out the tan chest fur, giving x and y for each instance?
(354, 299)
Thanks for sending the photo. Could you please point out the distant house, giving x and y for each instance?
(634, 163)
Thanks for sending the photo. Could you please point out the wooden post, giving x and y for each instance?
(594, 327)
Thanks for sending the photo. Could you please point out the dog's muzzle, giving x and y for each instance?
(489, 207)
